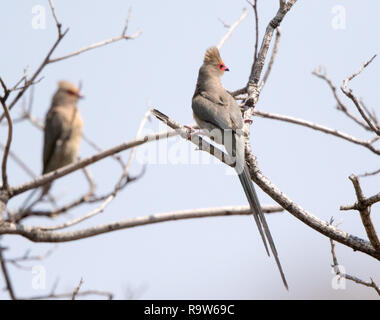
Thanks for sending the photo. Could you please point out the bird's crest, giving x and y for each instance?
(68, 86)
(212, 56)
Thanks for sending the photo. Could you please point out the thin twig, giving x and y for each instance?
(257, 66)
(29, 258)
(132, 152)
(22, 79)
(36, 73)
(5, 185)
(37, 235)
(349, 94)
(91, 143)
(195, 139)
(239, 92)
(6, 275)
(89, 197)
(85, 293)
(364, 207)
(338, 272)
(364, 203)
(58, 24)
(78, 220)
(254, 6)
(272, 58)
(368, 174)
(76, 290)
(48, 177)
(96, 45)
(318, 127)
(232, 28)
(48, 60)
(340, 105)
(372, 114)
(20, 162)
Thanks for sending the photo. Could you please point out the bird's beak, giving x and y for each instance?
(80, 96)
(226, 69)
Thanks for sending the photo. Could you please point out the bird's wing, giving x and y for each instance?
(54, 129)
(220, 111)
(234, 111)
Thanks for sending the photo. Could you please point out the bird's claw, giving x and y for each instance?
(191, 131)
(189, 127)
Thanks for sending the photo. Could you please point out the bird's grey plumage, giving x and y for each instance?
(62, 132)
(214, 109)
(63, 128)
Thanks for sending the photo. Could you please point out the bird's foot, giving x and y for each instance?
(189, 127)
(191, 131)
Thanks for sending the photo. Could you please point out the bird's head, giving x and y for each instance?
(69, 89)
(66, 94)
(214, 62)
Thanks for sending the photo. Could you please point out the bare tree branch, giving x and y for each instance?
(254, 78)
(367, 174)
(232, 28)
(76, 290)
(58, 24)
(36, 234)
(371, 114)
(349, 94)
(318, 127)
(29, 258)
(54, 295)
(98, 149)
(85, 293)
(48, 60)
(6, 275)
(253, 3)
(20, 162)
(48, 177)
(36, 73)
(84, 199)
(196, 139)
(85, 217)
(303, 215)
(272, 58)
(283, 200)
(363, 205)
(132, 153)
(5, 185)
(101, 43)
(340, 105)
(338, 272)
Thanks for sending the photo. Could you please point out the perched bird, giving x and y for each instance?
(63, 128)
(62, 133)
(217, 112)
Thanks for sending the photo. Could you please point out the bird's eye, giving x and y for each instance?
(221, 66)
(72, 92)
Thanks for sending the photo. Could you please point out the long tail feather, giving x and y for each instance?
(258, 214)
(246, 186)
(237, 150)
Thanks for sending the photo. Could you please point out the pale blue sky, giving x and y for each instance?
(216, 257)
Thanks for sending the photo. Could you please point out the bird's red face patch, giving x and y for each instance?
(222, 67)
(74, 93)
